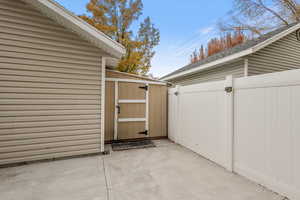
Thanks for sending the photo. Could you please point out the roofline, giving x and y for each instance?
(236, 55)
(117, 50)
(134, 75)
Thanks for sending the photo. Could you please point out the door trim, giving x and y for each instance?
(132, 101)
(116, 110)
(132, 120)
(102, 101)
(147, 109)
(118, 101)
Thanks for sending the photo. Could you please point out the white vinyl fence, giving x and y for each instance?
(253, 131)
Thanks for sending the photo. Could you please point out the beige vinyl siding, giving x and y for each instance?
(50, 88)
(283, 54)
(236, 69)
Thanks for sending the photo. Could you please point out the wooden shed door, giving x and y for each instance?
(131, 110)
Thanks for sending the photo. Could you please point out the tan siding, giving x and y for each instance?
(281, 55)
(50, 88)
(236, 69)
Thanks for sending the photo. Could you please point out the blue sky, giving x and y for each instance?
(184, 25)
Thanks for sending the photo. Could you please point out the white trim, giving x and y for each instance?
(102, 135)
(135, 81)
(132, 101)
(275, 38)
(211, 64)
(116, 110)
(147, 109)
(246, 67)
(236, 55)
(132, 120)
(133, 75)
(48, 6)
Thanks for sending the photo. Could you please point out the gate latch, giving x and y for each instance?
(143, 133)
(228, 89)
(119, 109)
(144, 87)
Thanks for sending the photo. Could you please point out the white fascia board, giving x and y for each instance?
(115, 49)
(211, 64)
(237, 55)
(275, 38)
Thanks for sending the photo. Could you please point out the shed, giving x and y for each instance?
(136, 107)
(275, 51)
(52, 82)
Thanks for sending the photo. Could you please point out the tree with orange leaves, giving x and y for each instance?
(216, 45)
(114, 18)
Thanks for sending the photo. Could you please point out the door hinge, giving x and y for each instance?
(143, 133)
(228, 89)
(144, 87)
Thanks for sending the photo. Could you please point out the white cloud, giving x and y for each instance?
(173, 55)
(206, 30)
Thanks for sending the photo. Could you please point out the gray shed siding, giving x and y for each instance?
(283, 54)
(236, 69)
(50, 88)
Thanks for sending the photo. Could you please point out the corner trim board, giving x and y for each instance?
(102, 137)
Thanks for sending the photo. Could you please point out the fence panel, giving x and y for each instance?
(198, 121)
(254, 130)
(267, 131)
(173, 115)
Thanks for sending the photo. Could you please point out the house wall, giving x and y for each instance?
(283, 54)
(50, 88)
(236, 69)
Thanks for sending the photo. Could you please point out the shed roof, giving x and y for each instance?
(74, 23)
(234, 53)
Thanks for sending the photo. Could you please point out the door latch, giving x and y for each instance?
(144, 87)
(143, 133)
(119, 109)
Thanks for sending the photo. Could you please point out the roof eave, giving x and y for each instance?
(275, 38)
(69, 20)
(210, 65)
(236, 55)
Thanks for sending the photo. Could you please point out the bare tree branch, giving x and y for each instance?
(259, 16)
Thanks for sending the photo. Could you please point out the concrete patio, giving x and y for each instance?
(167, 172)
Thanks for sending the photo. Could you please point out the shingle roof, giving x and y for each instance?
(248, 44)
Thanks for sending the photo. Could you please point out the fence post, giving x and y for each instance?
(177, 130)
(229, 93)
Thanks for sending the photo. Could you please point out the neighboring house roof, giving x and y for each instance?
(74, 23)
(234, 53)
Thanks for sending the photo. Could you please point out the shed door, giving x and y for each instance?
(131, 110)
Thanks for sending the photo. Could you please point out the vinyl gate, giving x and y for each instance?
(253, 130)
